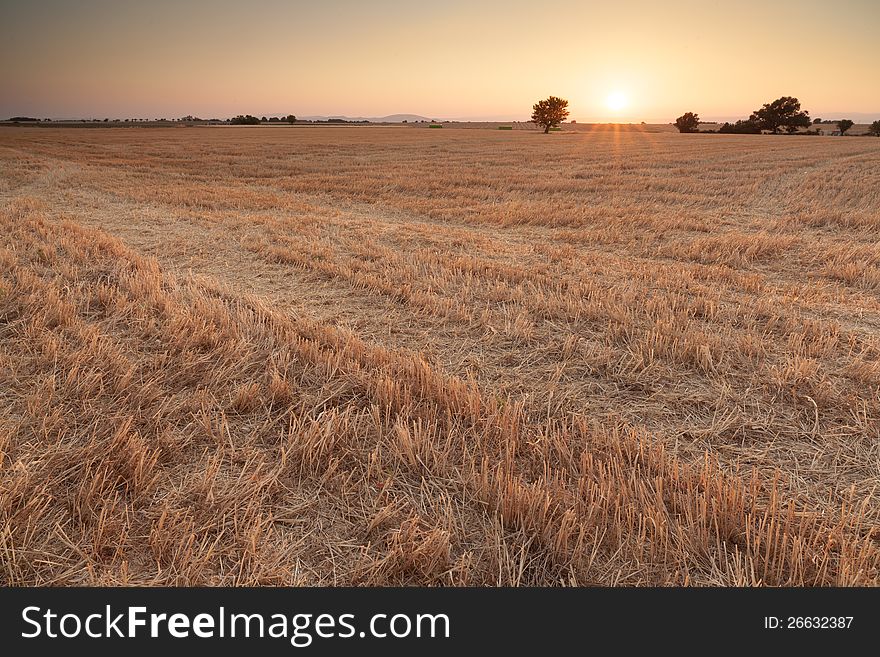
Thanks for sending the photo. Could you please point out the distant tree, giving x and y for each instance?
(843, 125)
(817, 120)
(874, 128)
(290, 118)
(247, 119)
(687, 122)
(263, 119)
(550, 113)
(783, 113)
(741, 127)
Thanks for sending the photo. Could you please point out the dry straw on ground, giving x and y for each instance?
(399, 356)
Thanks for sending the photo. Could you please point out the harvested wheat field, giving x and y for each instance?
(389, 356)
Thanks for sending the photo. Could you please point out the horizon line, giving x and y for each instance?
(499, 118)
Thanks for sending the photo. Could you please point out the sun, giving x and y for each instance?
(616, 101)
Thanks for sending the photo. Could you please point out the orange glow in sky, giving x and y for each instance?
(623, 61)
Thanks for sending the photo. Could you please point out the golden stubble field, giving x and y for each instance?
(382, 356)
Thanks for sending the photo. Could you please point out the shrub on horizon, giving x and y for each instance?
(688, 122)
(246, 119)
(741, 127)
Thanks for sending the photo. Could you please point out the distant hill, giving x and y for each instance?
(391, 118)
(398, 118)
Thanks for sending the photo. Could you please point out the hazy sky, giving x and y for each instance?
(446, 59)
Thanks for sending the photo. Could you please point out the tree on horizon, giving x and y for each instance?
(550, 113)
(784, 113)
(844, 124)
(741, 127)
(688, 122)
(246, 119)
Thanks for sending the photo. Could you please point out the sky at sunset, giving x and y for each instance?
(624, 61)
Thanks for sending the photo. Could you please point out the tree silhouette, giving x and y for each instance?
(550, 113)
(247, 119)
(687, 122)
(874, 128)
(784, 113)
(290, 118)
(843, 125)
(741, 127)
